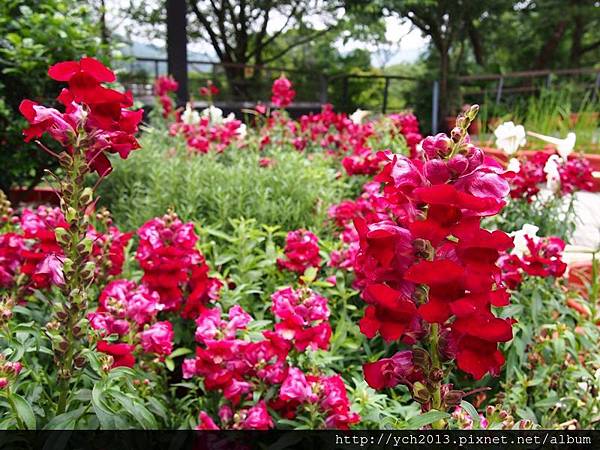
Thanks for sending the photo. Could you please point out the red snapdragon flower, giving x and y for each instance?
(283, 94)
(122, 353)
(301, 252)
(172, 265)
(165, 84)
(428, 261)
(95, 117)
(303, 318)
(158, 338)
(12, 247)
(543, 258)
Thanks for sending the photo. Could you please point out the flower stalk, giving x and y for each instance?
(68, 324)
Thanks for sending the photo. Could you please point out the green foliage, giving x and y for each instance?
(35, 34)
(555, 216)
(552, 371)
(211, 189)
(553, 112)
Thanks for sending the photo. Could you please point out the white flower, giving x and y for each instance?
(552, 173)
(509, 137)
(514, 165)
(242, 131)
(230, 117)
(358, 116)
(214, 114)
(190, 116)
(520, 239)
(565, 146)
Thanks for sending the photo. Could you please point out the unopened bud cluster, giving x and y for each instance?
(68, 325)
(6, 211)
(8, 371)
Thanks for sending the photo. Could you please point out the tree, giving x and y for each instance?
(35, 34)
(243, 32)
(453, 27)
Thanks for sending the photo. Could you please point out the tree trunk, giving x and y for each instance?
(576, 42)
(547, 51)
(104, 33)
(444, 67)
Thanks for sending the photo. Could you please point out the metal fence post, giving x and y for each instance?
(385, 94)
(345, 92)
(324, 81)
(435, 105)
(177, 46)
(499, 90)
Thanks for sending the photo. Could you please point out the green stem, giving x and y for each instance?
(74, 280)
(436, 402)
(15, 411)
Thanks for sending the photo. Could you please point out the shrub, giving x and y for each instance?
(35, 33)
(210, 189)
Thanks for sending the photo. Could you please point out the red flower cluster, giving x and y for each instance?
(431, 262)
(33, 250)
(163, 86)
(210, 90)
(95, 118)
(42, 256)
(130, 311)
(543, 258)
(172, 265)
(301, 252)
(242, 368)
(332, 131)
(12, 247)
(575, 175)
(282, 91)
(303, 318)
(206, 136)
(108, 251)
(408, 125)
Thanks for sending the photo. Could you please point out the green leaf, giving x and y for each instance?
(428, 418)
(104, 413)
(180, 351)
(24, 411)
(66, 421)
(470, 409)
(138, 411)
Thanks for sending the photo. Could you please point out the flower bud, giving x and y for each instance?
(88, 271)
(453, 397)
(456, 134)
(80, 361)
(421, 359)
(86, 196)
(472, 112)
(524, 424)
(65, 159)
(3, 382)
(436, 375)
(420, 392)
(13, 367)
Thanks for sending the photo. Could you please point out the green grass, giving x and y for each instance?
(211, 189)
(552, 113)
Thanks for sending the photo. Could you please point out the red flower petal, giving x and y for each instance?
(96, 69)
(63, 71)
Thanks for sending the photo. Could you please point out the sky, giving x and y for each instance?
(406, 42)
